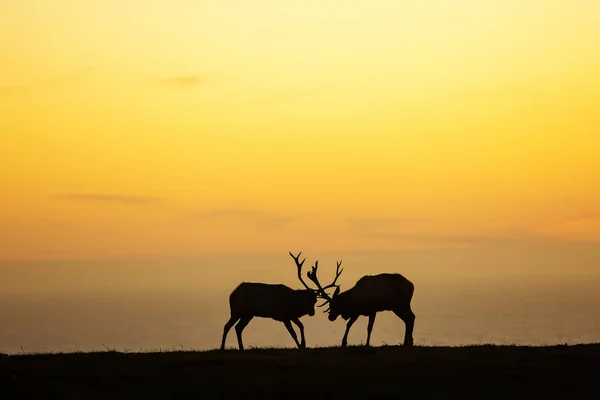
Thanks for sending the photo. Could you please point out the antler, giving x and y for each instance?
(312, 275)
(299, 265)
(338, 272)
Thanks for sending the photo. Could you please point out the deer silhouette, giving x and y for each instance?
(370, 295)
(275, 301)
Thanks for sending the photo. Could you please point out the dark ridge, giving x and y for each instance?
(487, 371)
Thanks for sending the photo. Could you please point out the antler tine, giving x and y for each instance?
(296, 258)
(338, 272)
(312, 275)
(326, 302)
(323, 304)
(299, 265)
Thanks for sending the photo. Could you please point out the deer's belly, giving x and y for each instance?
(274, 312)
(374, 304)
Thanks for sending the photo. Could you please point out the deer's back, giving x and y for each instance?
(382, 292)
(263, 300)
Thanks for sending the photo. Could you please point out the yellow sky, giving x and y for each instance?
(158, 127)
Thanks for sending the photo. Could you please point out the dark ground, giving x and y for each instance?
(483, 372)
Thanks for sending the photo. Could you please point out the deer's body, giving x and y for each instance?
(370, 295)
(374, 293)
(275, 301)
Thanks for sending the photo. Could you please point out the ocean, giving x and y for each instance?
(189, 314)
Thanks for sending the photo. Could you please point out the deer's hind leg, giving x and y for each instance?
(370, 328)
(405, 314)
(240, 327)
(226, 329)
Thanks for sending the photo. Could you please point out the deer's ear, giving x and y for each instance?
(337, 291)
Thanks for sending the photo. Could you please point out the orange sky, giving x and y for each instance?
(162, 127)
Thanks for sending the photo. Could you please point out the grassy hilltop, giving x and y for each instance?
(356, 372)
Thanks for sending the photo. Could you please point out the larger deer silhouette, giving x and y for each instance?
(275, 301)
(370, 295)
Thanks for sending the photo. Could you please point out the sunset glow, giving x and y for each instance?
(141, 128)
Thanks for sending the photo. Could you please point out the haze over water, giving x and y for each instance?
(179, 303)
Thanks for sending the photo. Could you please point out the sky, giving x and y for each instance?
(170, 128)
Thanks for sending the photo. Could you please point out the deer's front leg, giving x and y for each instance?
(301, 327)
(288, 326)
(351, 321)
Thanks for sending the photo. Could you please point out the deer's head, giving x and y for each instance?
(334, 305)
(307, 298)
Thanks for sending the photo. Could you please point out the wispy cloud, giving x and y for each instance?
(588, 215)
(101, 197)
(290, 95)
(12, 89)
(458, 239)
(369, 225)
(402, 230)
(184, 81)
(51, 81)
(246, 215)
(584, 227)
